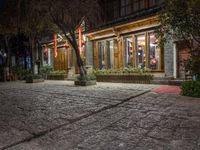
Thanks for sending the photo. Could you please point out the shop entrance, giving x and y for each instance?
(61, 61)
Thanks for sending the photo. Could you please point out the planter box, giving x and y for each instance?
(34, 80)
(132, 78)
(57, 77)
(85, 83)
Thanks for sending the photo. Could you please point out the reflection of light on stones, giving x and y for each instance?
(121, 145)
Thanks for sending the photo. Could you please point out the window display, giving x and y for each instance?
(101, 55)
(154, 53)
(140, 51)
(128, 52)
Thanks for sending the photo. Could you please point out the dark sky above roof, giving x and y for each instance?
(2, 2)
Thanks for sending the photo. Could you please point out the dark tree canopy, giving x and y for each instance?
(68, 16)
(35, 17)
(181, 19)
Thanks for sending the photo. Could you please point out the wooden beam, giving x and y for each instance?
(146, 50)
(133, 51)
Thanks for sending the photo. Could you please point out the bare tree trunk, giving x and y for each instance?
(18, 28)
(7, 61)
(32, 46)
(73, 42)
(7, 38)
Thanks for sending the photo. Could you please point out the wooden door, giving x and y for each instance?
(61, 61)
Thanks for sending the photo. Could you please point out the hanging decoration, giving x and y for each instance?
(55, 45)
(80, 39)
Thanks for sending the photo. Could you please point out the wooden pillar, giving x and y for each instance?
(122, 52)
(115, 54)
(146, 50)
(133, 51)
(66, 57)
(105, 56)
(96, 64)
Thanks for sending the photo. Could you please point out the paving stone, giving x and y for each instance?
(56, 115)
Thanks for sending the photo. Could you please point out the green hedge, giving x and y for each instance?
(191, 88)
(126, 78)
(125, 71)
(88, 77)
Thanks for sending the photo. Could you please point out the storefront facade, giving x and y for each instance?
(132, 44)
(128, 38)
(60, 55)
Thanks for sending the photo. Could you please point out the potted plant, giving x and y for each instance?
(45, 70)
(87, 80)
(57, 75)
(34, 78)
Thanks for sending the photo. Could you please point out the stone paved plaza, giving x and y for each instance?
(56, 115)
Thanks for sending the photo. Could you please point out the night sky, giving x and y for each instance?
(2, 2)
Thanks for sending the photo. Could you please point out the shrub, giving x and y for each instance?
(193, 64)
(191, 88)
(129, 70)
(87, 77)
(58, 72)
(31, 77)
(21, 72)
(46, 70)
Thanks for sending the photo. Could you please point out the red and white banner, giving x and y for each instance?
(55, 45)
(80, 39)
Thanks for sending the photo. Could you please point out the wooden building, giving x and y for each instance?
(60, 55)
(127, 38)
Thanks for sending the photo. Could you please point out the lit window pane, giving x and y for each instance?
(101, 55)
(140, 51)
(110, 54)
(128, 52)
(154, 53)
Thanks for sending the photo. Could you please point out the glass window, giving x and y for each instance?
(154, 52)
(128, 10)
(152, 3)
(123, 11)
(101, 55)
(110, 54)
(140, 51)
(45, 54)
(142, 4)
(112, 9)
(136, 5)
(125, 7)
(128, 52)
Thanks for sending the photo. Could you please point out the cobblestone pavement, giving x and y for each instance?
(59, 116)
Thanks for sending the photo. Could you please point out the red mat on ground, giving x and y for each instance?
(167, 90)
